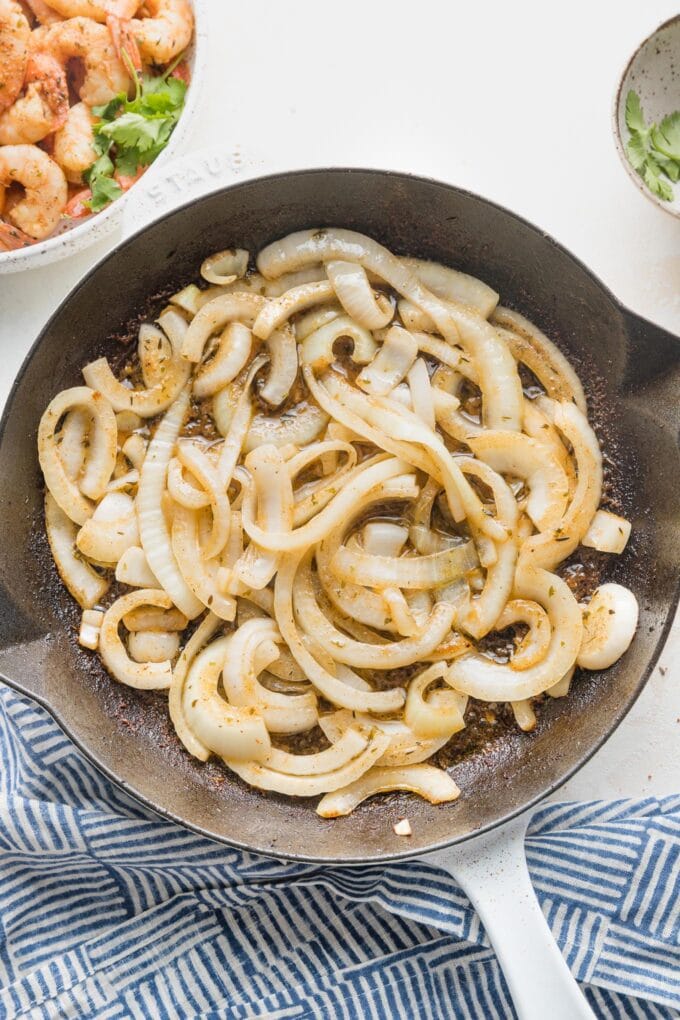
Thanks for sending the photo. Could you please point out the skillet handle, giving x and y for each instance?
(492, 870)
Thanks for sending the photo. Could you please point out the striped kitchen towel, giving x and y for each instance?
(108, 911)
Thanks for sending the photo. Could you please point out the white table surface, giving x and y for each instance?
(511, 100)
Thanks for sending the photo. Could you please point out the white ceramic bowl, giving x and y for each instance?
(653, 72)
(96, 227)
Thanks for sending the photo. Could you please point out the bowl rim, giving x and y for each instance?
(94, 228)
(618, 140)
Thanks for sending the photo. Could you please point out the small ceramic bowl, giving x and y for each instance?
(94, 228)
(654, 73)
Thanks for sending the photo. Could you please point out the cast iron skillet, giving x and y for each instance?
(631, 369)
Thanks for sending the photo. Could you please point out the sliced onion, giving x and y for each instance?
(318, 346)
(452, 285)
(481, 678)
(534, 645)
(133, 569)
(550, 548)
(284, 366)
(499, 380)
(352, 600)
(84, 583)
(153, 618)
(315, 318)
(511, 453)
(408, 572)
(314, 496)
(483, 612)
(421, 393)
(361, 654)
(239, 733)
(540, 427)
(404, 748)
(331, 687)
(73, 441)
(383, 538)
(90, 624)
(561, 688)
(607, 532)
(225, 266)
(299, 426)
(432, 718)
(134, 449)
(311, 786)
(149, 402)
(430, 783)
(273, 493)
(214, 316)
(111, 530)
(525, 717)
(153, 645)
(282, 713)
(405, 427)
(183, 491)
(188, 299)
(532, 347)
(142, 675)
(153, 528)
(310, 274)
(205, 630)
(609, 623)
(233, 413)
(194, 460)
(276, 311)
(155, 354)
(356, 295)
(391, 364)
(347, 501)
(190, 533)
(101, 458)
(231, 356)
(350, 744)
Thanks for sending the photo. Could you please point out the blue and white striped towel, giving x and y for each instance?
(110, 912)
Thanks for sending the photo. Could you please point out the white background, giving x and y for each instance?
(511, 100)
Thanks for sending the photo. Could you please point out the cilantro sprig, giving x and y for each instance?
(130, 134)
(653, 151)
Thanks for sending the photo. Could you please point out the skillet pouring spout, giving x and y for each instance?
(631, 374)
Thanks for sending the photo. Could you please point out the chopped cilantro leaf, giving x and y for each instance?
(104, 190)
(637, 151)
(128, 162)
(635, 118)
(654, 152)
(656, 184)
(666, 138)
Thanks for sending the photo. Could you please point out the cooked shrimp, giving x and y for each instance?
(85, 40)
(73, 143)
(167, 32)
(42, 12)
(11, 237)
(42, 108)
(97, 10)
(15, 33)
(39, 210)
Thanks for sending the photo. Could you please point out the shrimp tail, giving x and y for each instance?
(50, 76)
(12, 238)
(124, 42)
